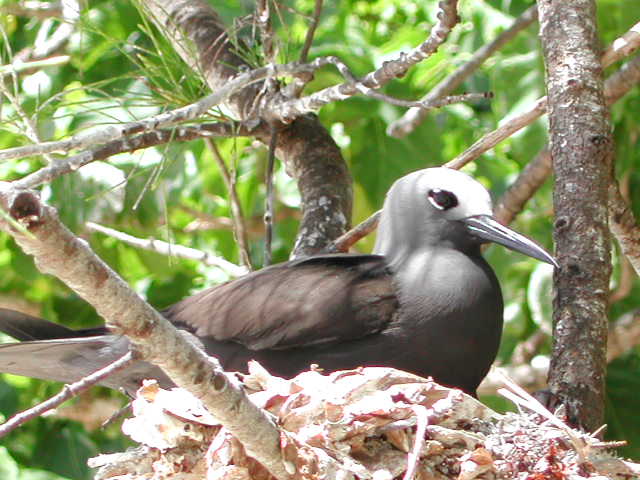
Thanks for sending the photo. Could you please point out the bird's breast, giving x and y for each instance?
(435, 285)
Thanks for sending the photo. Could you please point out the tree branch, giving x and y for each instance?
(145, 140)
(512, 125)
(414, 116)
(58, 252)
(309, 153)
(165, 119)
(447, 18)
(581, 151)
(308, 40)
(623, 46)
(165, 248)
(239, 224)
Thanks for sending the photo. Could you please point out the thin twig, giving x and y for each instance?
(344, 242)
(622, 46)
(521, 397)
(427, 105)
(414, 116)
(530, 179)
(294, 89)
(422, 420)
(269, 214)
(166, 248)
(68, 392)
(311, 31)
(447, 18)
(165, 119)
(30, 128)
(263, 19)
(19, 67)
(539, 108)
(237, 215)
(491, 139)
(131, 144)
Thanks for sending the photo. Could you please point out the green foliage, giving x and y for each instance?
(123, 69)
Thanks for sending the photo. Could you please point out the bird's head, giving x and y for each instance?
(444, 207)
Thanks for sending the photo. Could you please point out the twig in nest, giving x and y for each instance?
(422, 420)
(521, 397)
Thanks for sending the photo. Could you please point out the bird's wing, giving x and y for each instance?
(321, 299)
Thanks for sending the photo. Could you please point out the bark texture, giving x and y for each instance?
(308, 151)
(58, 252)
(581, 151)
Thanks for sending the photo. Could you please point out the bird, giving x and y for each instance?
(425, 301)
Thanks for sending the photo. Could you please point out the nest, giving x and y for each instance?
(370, 424)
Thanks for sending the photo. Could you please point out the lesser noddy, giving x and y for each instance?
(425, 302)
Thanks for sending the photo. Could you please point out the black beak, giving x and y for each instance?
(487, 228)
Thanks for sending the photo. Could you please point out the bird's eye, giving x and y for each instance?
(442, 199)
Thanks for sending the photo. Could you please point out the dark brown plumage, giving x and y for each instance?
(428, 303)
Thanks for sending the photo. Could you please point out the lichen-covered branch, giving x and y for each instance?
(164, 119)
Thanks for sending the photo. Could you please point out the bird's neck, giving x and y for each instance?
(436, 282)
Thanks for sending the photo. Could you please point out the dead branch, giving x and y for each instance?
(165, 248)
(165, 119)
(414, 116)
(447, 19)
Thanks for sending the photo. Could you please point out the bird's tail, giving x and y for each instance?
(53, 352)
